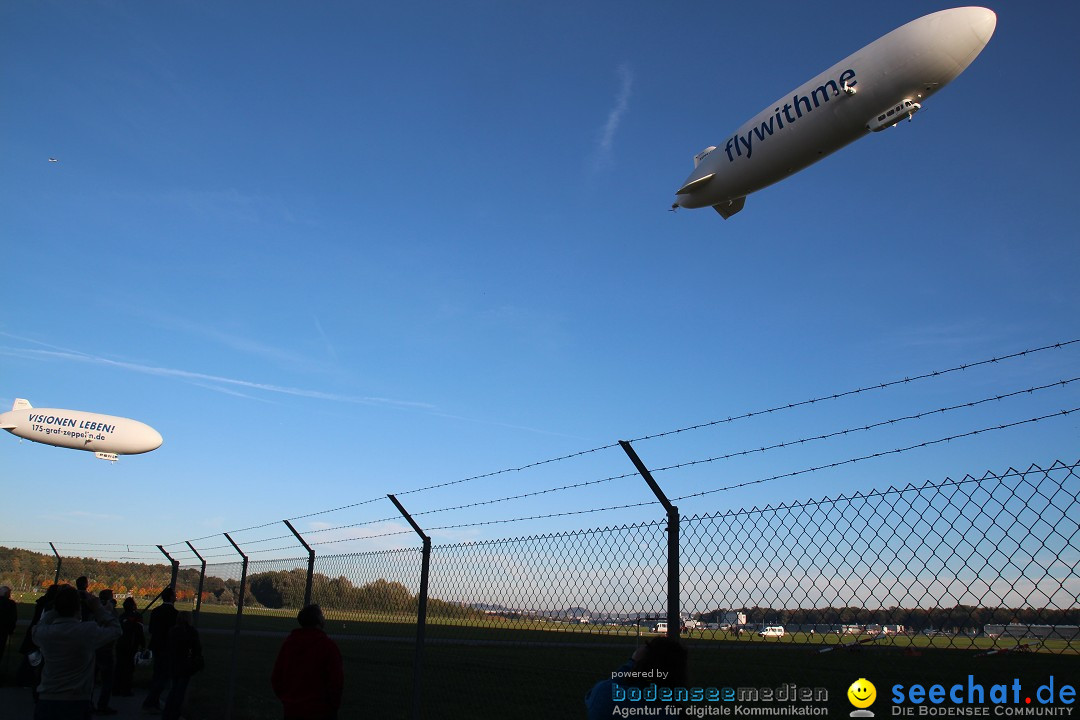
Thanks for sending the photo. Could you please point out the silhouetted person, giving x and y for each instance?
(69, 645)
(185, 659)
(105, 661)
(9, 617)
(132, 640)
(308, 674)
(29, 674)
(661, 661)
(81, 584)
(162, 619)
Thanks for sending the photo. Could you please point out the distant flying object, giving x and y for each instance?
(53, 160)
(872, 90)
(104, 435)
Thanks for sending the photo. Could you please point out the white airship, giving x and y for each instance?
(106, 436)
(874, 89)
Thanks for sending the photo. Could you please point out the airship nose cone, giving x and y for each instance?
(154, 439)
(983, 23)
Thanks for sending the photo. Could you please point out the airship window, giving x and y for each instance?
(890, 112)
(880, 117)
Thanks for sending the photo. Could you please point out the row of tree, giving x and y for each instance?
(959, 617)
(30, 571)
(27, 570)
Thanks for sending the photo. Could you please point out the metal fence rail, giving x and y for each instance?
(985, 564)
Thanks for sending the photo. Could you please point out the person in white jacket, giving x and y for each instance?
(69, 645)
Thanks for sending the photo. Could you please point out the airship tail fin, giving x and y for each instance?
(21, 404)
(701, 155)
(730, 207)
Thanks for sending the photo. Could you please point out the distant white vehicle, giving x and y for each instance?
(660, 627)
(772, 631)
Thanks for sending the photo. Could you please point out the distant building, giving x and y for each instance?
(1044, 632)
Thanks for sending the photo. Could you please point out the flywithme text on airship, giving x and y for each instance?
(871, 90)
(107, 436)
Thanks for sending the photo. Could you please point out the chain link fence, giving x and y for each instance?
(980, 565)
(943, 563)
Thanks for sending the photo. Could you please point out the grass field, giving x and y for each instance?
(544, 671)
(495, 628)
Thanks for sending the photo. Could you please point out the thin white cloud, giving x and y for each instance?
(214, 523)
(234, 393)
(956, 335)
(606, 143)
(235, 341)
(236, 387)
(80, 515)
(330, 352)
(197, 378)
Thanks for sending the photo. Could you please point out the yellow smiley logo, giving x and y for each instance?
(862, 693)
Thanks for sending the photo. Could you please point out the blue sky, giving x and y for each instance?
(337, 250)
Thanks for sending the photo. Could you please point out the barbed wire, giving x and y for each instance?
(248, 543)
(79, 544)
(232, 555)
(566, 513)
(871, 426)
(778, 408)
(857, 391)
(355, 525)
(818, 468)
(698, 426)
(740, 453)
(909, 488)
(155, 555)
(1061, 413)
(268, 550)
(838, 433)
(141, 559)
(247, 552)
(212, 548)
(366, 537)
(231, 532)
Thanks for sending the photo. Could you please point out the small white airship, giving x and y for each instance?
(873, 89)
(106, 436)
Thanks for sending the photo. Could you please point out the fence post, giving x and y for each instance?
(59, 560)
(674, 614)
(421, 610)
(310, 563)
(236, 632)
(175, 567)
(202, 577)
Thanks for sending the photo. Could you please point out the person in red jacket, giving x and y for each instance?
(308, 674)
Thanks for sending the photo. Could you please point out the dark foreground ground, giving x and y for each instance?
(497, 676)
